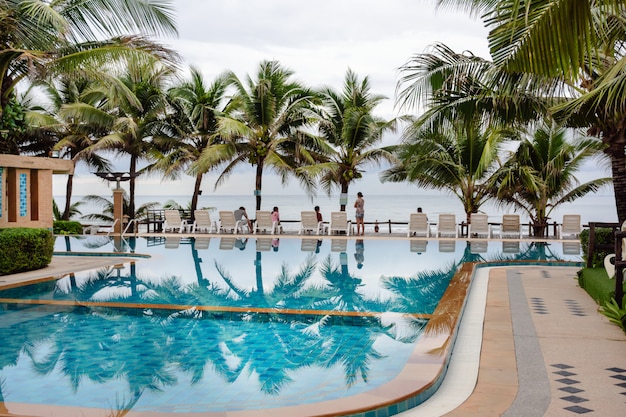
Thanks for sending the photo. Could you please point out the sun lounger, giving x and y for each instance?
(264, 223)
(479, 226)
(447, 225)
(228, 224)
(339, 222)
(571, 248)
(478, 246)
(203, 222)
(510, 226)
(571, 226)
(201, 243)
(173, 222)
(418, 225)
(309, 223)
(510, 247)
(172, 242)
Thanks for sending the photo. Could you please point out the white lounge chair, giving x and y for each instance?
(228, 223)
(264, 223)
(172, 242)
(571, 226)
(339, 223)
(418, 225)
(478, 246)
(309, 223)
(511, 226)
(203, 222)
(173, 222)
(447, 225)
(479, 226)
(338, 245)
(510, 247)
(227, 243)
(308, 245)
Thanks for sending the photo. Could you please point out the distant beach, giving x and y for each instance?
(598, 208)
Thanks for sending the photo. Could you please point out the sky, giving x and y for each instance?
(319, 41)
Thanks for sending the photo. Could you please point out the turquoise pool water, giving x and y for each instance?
(220, 324)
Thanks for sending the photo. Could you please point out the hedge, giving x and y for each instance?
(25, 249)
(67, 227)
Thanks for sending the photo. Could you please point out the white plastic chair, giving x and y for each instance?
(309, 223)
(447, 225)
(571, 226)
(479, 226)
(228, 222)
(203, 222)
(339, 223)
(418, 225)
(264, 222)
(511, 226)
(174, 222)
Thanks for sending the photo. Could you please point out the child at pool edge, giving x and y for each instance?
(276, 219)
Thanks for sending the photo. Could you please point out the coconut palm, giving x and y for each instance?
(348, 124)
(542, 174)
(455, 156)
(133, 119)
(71, 36)
(106, 215)
(578, 46)
(193, 119)
(266, 128)
(73, 136)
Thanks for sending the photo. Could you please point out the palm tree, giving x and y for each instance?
(576, 46)
(133, 119)
(194, 124)
(456, 156)
(266, 127)
(348, 124)
(71, 36)
(106, 215)
(73, 136)
(541, 174)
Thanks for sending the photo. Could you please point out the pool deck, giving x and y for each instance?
(545, 349)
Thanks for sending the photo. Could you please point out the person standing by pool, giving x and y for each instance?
(359, 214)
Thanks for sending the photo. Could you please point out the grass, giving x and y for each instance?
(597, 284)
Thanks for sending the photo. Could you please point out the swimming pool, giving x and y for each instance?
(215, 325)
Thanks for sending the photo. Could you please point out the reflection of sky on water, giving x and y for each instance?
(249, 263)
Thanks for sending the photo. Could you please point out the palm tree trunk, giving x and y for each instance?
(68, 197)
(196, 194)
(131, 192)
(344, 190)
(259, 178)
(618, 167)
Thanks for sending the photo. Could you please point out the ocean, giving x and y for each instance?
(382, 208)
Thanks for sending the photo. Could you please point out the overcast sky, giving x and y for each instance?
(319, 41)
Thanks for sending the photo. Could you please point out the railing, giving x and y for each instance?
(619, 268)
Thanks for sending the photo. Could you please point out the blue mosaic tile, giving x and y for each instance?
(23, 195)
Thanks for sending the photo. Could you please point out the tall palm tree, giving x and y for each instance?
(193, 120)
(133, 119)
(541, 174)
(348, 124)
(73, 136)
(455, 156)
(266, 129)
(71, 36)
(573, 45)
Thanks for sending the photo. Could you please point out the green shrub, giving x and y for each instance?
(604, 236)
(67, 227)
(25, 249)
(615, 314)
